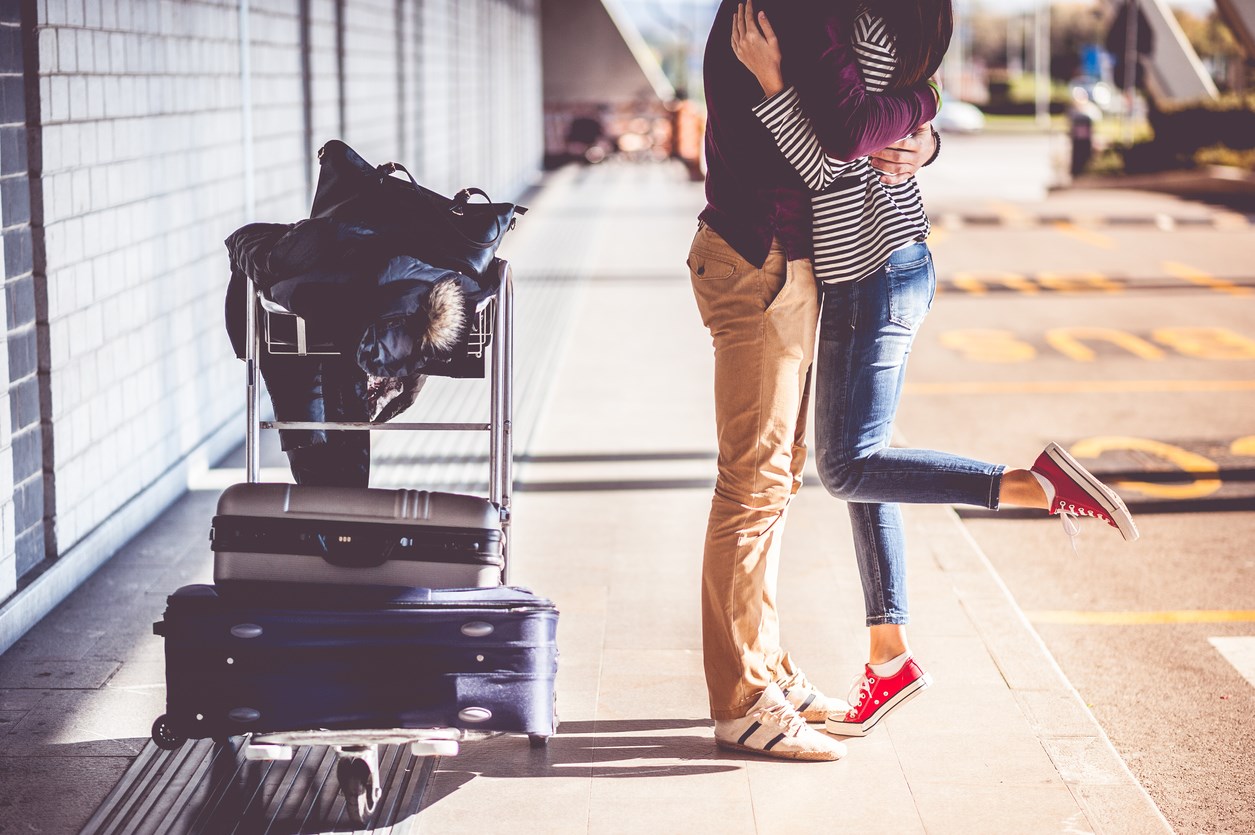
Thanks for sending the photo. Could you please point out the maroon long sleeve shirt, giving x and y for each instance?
(753, 194)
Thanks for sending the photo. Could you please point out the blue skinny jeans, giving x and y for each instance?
(866, 329)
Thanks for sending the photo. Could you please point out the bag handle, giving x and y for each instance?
(459, 202)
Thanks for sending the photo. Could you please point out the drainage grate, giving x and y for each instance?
(209, 789)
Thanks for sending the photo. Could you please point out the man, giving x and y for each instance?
(756, 293)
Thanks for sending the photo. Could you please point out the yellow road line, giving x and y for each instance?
(1081, 387)
(1196, 276)
(1085, 235)
(1072, 618)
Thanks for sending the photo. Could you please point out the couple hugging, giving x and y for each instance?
(819, 116)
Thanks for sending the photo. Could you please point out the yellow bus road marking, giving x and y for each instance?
(1081, 282)
(976, 283)
(1081, 387)
(1010, 214)
(1085, 235)
(1187, 461)
(1075, 618)
(1196, 276)
(1068, 341)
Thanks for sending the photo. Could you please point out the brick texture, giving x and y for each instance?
(144, 174)
(18, 358)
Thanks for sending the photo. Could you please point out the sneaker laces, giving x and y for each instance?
(783, 715)
(797, 681)
(1072, 528)
(860, 690)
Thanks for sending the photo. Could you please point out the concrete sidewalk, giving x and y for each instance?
(616, 449)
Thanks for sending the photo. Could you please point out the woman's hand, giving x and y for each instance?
(755, 44)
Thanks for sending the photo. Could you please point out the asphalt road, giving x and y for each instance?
(1121, 325)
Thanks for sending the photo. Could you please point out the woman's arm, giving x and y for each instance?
(782, 115)
(756, 46)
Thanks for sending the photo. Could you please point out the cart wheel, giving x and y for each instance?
(164, 734)
(538, 740)
(357, 784)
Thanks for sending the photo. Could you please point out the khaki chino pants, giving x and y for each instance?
(762, 322)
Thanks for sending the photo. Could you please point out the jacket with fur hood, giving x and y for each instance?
(391, 317)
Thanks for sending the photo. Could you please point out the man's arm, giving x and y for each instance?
(901, 161)
(849, 121)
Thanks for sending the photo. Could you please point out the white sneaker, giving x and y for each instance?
(774, 729)
(807, 700)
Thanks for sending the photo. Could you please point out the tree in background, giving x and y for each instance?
(1218, 48)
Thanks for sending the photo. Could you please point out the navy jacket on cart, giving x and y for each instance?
(390, 317)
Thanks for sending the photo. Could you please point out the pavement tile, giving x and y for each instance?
(650, 695)
(862, 793)
(663, 765)
(53, 641)
(135, 673)
(726, 816)
(996, 757)
(55, 675)
(994, 807)
(1055, 713)
(8, 720)
(1120, 810)
(137, 643)
(502, 778)
(54, 794)
(1085, 761)
(88, 723)
(21, 699)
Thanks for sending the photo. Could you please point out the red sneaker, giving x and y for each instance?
(874, 697)
(1079, 493)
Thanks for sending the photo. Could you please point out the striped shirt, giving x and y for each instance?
(858, 220)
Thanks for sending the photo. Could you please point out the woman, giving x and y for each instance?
(877, 285)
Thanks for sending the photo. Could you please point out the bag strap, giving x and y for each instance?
(459, 201)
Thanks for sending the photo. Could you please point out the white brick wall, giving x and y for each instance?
(142, 180)
(8, 545)
(144, 176)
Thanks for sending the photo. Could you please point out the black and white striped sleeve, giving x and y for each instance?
(795, 136)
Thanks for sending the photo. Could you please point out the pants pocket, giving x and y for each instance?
(911, 288)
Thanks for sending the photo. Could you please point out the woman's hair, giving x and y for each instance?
(921, 30)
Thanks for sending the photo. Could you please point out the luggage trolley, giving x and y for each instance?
(490, 342)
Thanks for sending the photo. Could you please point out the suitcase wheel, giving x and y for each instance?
(538, 740)
(359, 786)
(164, 734)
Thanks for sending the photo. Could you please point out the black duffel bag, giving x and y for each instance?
(451, 233)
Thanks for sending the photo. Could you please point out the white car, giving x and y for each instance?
(959, 117)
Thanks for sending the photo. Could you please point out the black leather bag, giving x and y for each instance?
(452, 233)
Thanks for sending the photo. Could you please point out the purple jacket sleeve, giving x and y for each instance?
(849, 121)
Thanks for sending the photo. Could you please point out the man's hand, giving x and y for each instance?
(755, 44)
(899, 162)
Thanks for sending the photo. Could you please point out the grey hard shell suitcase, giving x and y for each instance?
(356, 536)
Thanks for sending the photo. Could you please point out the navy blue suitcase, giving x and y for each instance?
(359, 658)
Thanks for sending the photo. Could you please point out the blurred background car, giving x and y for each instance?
(959, 117)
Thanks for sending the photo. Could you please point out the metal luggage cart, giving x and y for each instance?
(490, 342)
(269, 327)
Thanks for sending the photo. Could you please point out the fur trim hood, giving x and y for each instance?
(420, 315)
(446, 317)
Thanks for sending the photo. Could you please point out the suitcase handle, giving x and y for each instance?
(355, 551)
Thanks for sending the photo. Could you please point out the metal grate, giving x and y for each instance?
(208, 789)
